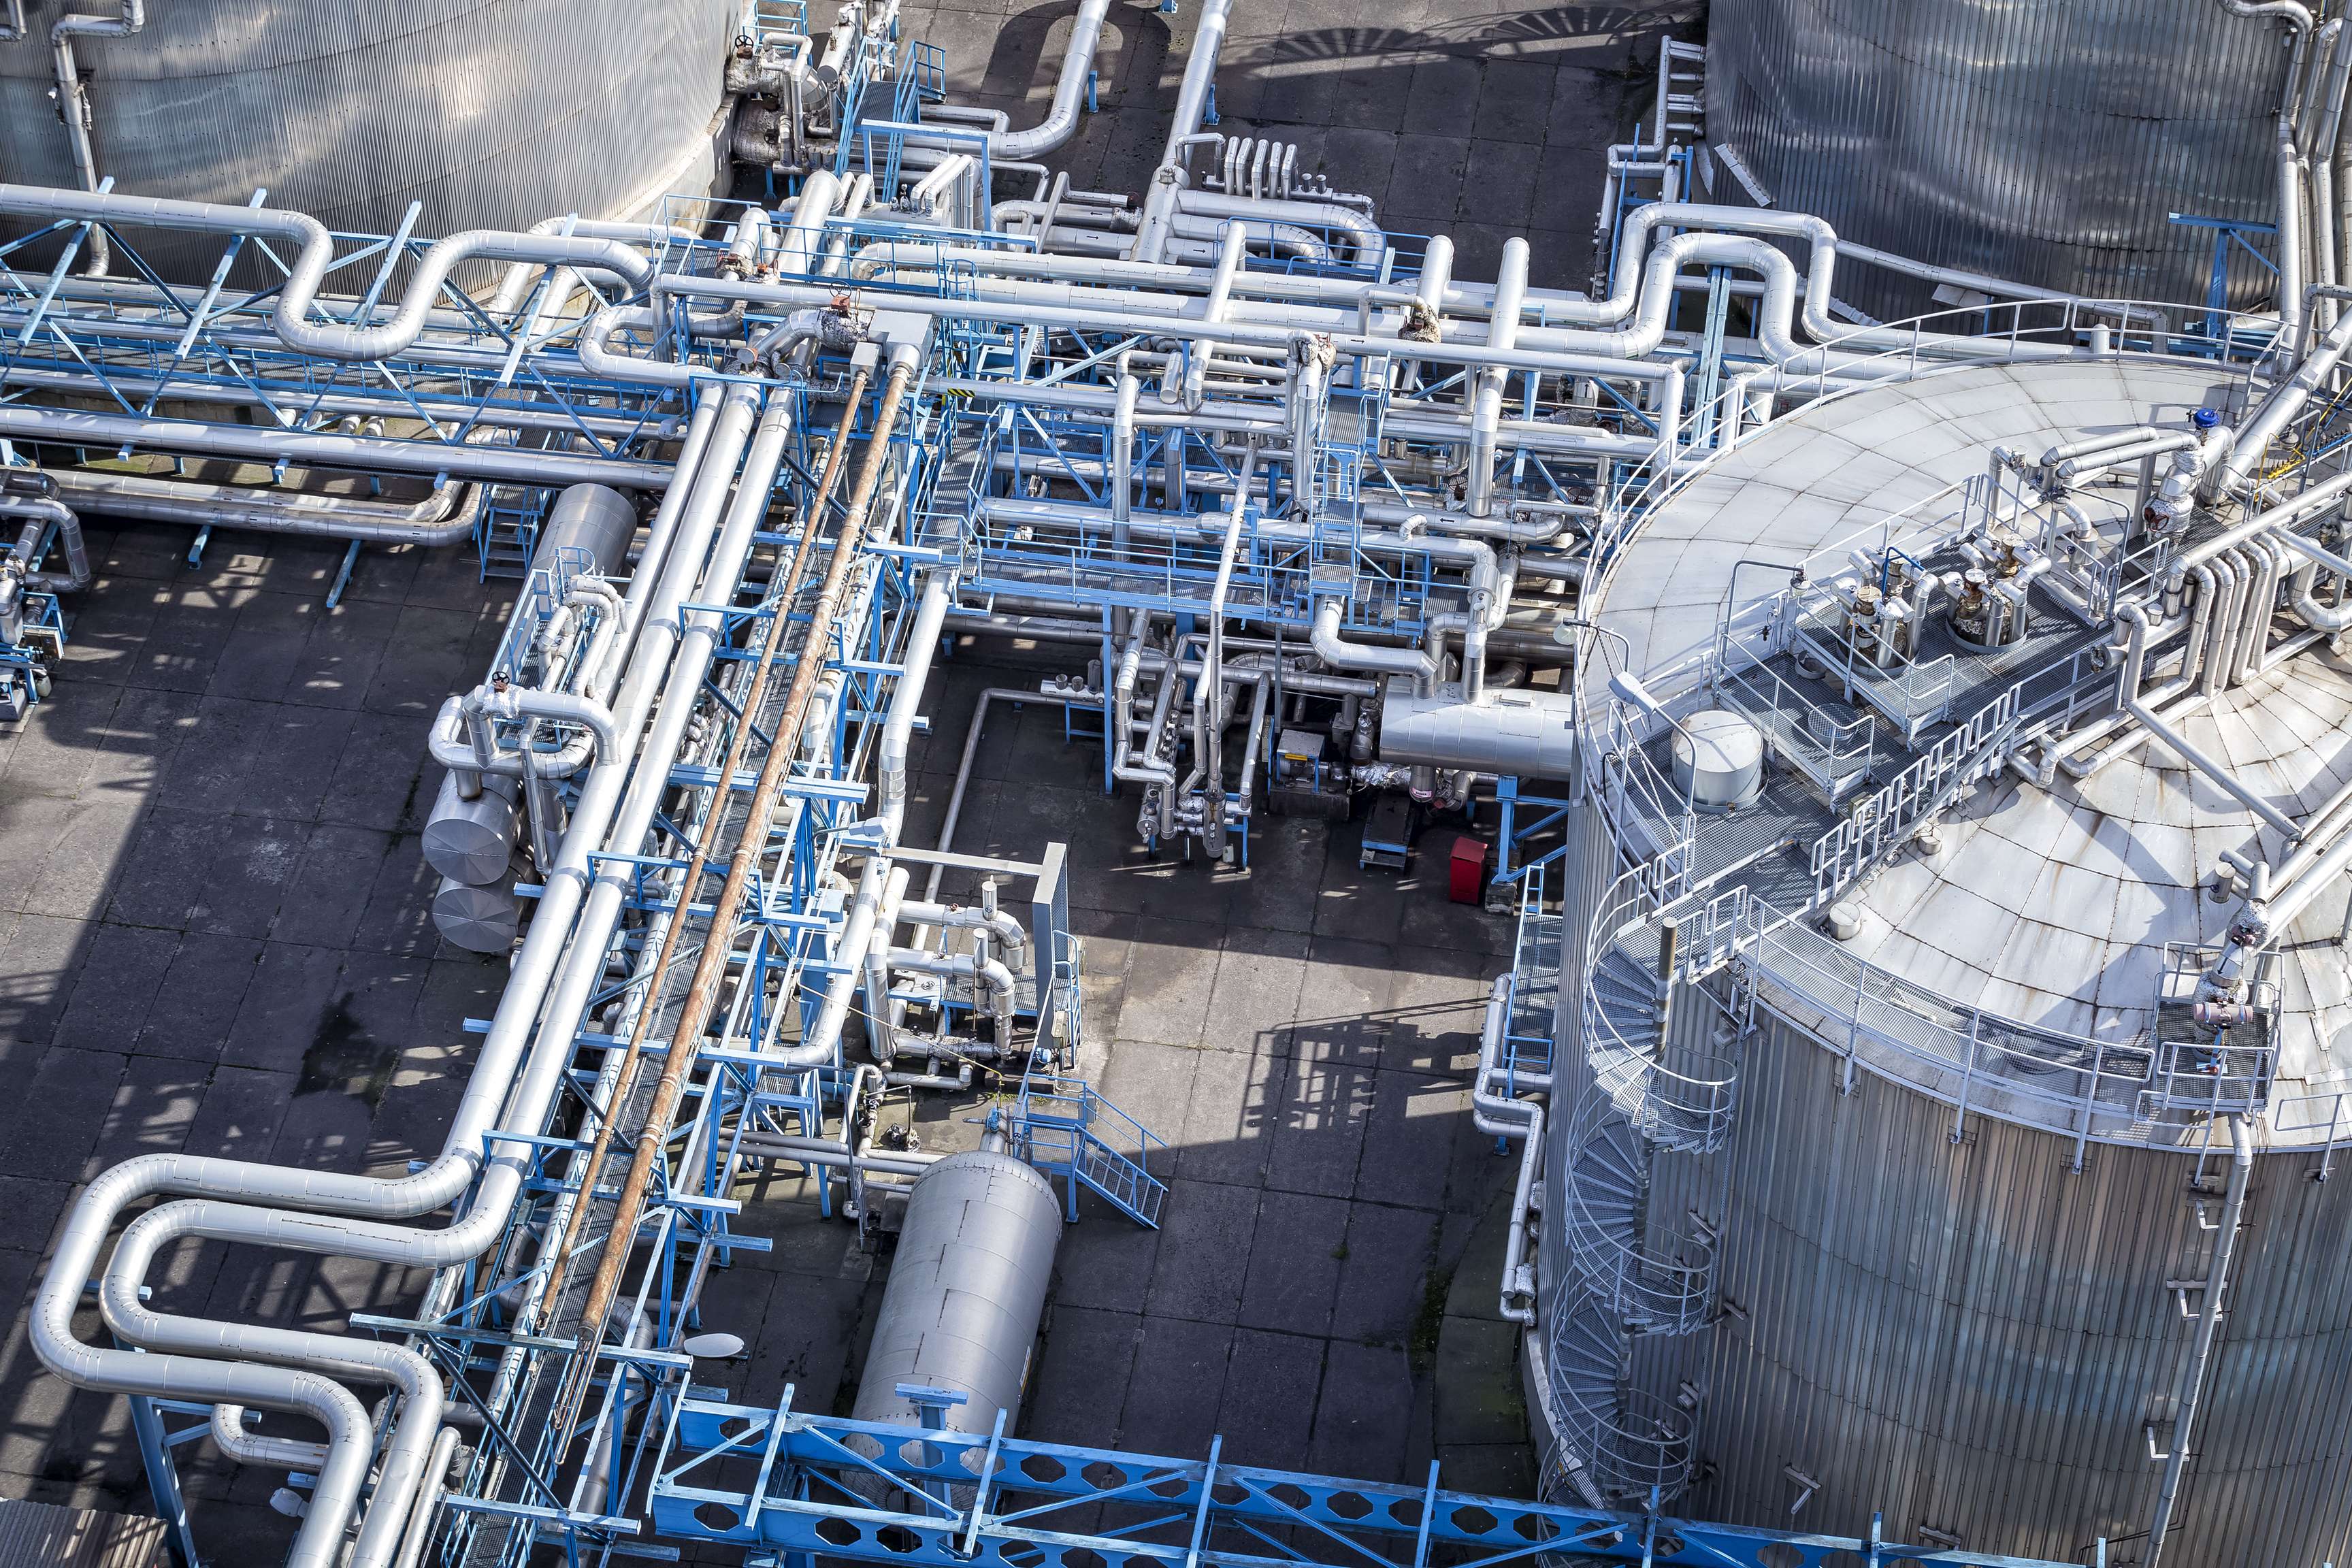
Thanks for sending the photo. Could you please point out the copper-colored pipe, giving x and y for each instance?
(711, 966)
(625, 1080)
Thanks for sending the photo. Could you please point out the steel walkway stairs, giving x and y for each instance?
(1057, 1126)
(1646, 1093)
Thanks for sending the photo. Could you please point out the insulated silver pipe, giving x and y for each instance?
(2189, 1393)
(663, 582)
(39, 512)
(315, 253)
(438, 519)
(313, 449)
(2284, 403)
(1069, 89)
(1486, 413)
(73, 99)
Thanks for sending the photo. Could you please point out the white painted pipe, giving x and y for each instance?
(671, 566)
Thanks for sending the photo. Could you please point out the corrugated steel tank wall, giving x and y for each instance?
(1971, 1336)
(2042, 141)
(490, 112)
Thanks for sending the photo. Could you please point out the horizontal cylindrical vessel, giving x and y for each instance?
(2048, 143)
(471, 841)
(589, 528)
(1526, 734)
(967, 1287)
(478, 919)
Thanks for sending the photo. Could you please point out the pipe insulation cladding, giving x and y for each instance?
(488, 113)
(967, 1289)
(1525, 734)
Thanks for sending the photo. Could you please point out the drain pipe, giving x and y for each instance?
(73, 102)
(2200, 1352)
(2212, 768)
(1504, 1115)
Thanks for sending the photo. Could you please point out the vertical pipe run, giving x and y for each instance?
(2201, 1349)
(1487, 414)
(759, 469)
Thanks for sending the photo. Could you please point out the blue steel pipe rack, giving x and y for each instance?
(817, 1486)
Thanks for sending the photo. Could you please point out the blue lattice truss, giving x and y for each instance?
(792, 1487)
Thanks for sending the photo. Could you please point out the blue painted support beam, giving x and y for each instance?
(865, 1491)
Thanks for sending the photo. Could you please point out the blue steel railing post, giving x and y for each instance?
(155, 1446)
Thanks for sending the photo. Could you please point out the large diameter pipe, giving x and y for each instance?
(73, 99)
(314, 449)
(39, 513)
(316, 1208)
(750, 498)
(967, 1289)
(2283, 403)
(1069, 89)
(1486, 402)
(445, 517)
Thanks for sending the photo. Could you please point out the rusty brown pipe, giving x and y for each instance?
(711, 966)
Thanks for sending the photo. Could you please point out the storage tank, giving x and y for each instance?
(1944, 1212)
(967, 1287)
(2046, 141)
(489, 112)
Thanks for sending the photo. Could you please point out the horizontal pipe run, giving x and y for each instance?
(448, 515)
(364, 454)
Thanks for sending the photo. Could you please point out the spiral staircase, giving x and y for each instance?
(1645, 1094)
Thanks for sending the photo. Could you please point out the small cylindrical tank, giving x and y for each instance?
(478, 919)
(966, 1291)
(1720, 759)
(471, 841)
(593, 522)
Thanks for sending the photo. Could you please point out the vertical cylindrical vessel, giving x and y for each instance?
(1956, 1243)
(1974, 1339)
(489, 113)
(967, 1287)
(2047, 141)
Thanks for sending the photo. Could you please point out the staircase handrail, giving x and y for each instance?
(1930, 784)
(1646, 1280)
